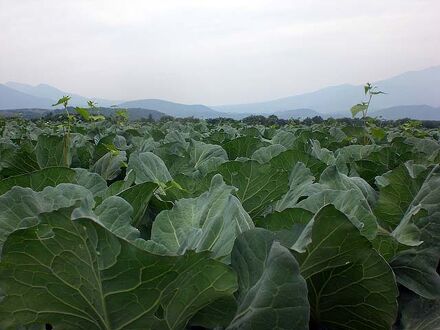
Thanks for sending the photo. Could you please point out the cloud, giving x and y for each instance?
(213, 51)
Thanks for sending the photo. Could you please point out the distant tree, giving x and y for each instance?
(221, 120)
(254, 120)
(317, 120)
(165, 119)
(272, 120)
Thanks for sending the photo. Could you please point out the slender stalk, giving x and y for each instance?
(364, 117)
(66, 138)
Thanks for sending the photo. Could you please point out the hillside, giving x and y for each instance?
(13, 99)
(173, 109)
(410, 88)
(419, 112)
(53, 93)
(330, 99)
(415, 87)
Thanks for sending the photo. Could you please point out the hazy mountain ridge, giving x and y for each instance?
(342, 96)
(172, 108)
(14, 99)
(54, 94)
(414, 88)
(418, 112)
(417, 90)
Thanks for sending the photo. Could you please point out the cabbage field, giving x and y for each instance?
(188, 224)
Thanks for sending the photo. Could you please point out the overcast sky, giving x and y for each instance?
(213, 52)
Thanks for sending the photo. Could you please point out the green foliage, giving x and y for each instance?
(83, 112)
(88, 277)
(362, 107)
(64, 101)
(350, 284)
(272, 294)
(218, 224)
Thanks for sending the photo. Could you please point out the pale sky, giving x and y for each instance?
(213, 52)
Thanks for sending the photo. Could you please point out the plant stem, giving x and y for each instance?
(66, 139)
(364, 117)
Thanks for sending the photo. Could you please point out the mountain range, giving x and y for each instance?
(414, 94)
(173, 109)
(419, 112)
(51, 93)
(410, 88)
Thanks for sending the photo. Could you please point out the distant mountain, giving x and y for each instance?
(173, 109)
(410, 88)
(415, 87)
(13, 99)
(53, 93)
(419, 112)
(297, 113)
(330, 99)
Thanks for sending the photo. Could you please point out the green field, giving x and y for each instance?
(218, 224)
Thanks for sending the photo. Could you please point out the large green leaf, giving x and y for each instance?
(243, 146)
(120, 185)
(218, 314)
(114, 213)
(418, 313)
(272, 293)
(52, 176)
(277, 221)
(184, 186)
(209, 222)
(19, 206)
(360, 107)
(287, 139)
(148, 168)
(78, 275)
(104, 145)
(109, 166)
(259, 185)
(287, 225)
(409, 207)
(351, 195)
(334, 179)
(349, 202)
(82, 151)
(377, 163)
(288, 159)
(323, 154)
(196, 161)
(265, 154)
(139, 196)
(403, 192)
(205, 157)
(300, 180)
(350, 285)
(92, 181)
(427, 146)
(52, 150)
(351, 153)
(417, 268)
(15, 160)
